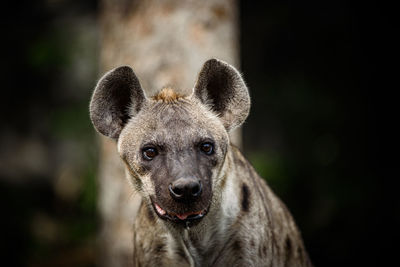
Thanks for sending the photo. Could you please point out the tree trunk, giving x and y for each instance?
(165, 42)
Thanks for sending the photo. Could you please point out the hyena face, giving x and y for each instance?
(173, 146)
(176, 160)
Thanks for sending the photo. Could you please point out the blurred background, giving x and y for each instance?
(319, 130)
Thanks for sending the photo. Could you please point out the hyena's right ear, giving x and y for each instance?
(117, 97)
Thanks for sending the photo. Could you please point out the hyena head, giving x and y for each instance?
(173, 146)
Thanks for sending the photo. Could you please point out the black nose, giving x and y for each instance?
(185, 189)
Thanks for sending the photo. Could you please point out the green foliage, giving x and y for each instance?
(271, 168)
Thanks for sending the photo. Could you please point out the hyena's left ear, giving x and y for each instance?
(221, 86)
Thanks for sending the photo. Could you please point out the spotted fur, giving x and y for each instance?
(246, 224)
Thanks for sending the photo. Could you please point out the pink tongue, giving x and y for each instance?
(185, 215)
(182, 216)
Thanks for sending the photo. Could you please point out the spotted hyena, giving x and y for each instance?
(203, 204)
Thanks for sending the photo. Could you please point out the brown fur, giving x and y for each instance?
(167, 95)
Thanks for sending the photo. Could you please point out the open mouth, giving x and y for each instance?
(179, 218)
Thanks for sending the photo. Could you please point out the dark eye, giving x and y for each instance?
(207, 148)
(149, 153)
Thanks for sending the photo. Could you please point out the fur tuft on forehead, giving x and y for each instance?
(167, 94)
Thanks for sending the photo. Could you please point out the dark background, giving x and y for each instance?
(321, 129)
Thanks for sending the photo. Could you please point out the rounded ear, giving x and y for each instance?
(117, 97)
(221, 87)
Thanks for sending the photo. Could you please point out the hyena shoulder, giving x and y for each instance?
(265, 225)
